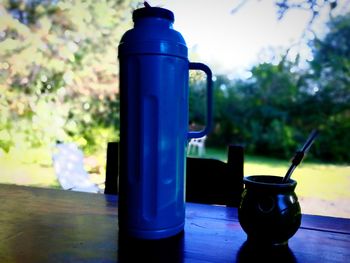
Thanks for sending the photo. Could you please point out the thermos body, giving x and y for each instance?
(153, 126)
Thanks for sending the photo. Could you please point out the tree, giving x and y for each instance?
(269, 96)
(311, 6)
(273, 111)
(58, 70)
(328, 85)
(331, 63)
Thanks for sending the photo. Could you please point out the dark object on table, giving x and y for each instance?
(248, 253)
(169, 250)
(211, 181)
(269, 211)
(208, 181)
(154, 109)
(112, 168)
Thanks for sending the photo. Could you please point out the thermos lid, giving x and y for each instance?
(155, 12)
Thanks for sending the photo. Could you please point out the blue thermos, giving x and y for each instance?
(154, 77)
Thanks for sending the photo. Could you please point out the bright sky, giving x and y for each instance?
(232, 43)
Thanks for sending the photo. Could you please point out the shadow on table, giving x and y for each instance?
(165, 250)
(249, 253)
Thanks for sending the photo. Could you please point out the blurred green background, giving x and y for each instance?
(59, 82)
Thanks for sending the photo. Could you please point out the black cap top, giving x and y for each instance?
(152, 12)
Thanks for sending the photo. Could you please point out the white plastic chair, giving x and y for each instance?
(198, 145)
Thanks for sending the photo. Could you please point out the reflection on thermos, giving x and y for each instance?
(170, 250)
(250, 253)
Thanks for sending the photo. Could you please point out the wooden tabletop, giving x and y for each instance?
(46, 225)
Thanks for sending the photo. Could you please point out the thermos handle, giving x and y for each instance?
(207, 71)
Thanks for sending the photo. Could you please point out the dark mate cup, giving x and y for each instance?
(269, 211)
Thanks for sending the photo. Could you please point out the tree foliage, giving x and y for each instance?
(273, 111)
(330, 80)
(314, 8)
(58, 69)
(59, 81)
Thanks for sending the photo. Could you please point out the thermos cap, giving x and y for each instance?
(155, 12)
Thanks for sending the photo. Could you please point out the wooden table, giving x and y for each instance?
(46, 225)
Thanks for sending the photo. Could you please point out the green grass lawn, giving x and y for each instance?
(28, 167)
(325, 181)
(322, 188)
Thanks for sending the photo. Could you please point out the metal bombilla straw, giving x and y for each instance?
(298, 157)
